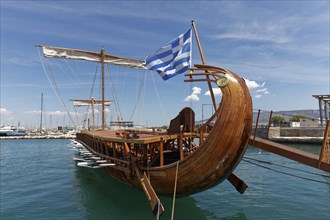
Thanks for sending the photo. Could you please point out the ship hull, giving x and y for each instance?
(216, 157)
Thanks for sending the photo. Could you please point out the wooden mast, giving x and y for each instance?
(102, 63)
(203, 61)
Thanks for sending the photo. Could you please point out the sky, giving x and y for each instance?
(281, 49)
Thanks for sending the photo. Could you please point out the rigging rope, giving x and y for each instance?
(117, 107)
(293, 175)
(139, 94)
(56, 91)
(74, 74)
(174, 191)
(140, 117)
(91, 93)
(158, 98)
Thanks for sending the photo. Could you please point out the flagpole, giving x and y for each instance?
(203, 61)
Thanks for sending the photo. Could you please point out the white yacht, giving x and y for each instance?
(12, 130)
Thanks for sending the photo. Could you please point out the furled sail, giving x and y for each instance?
(58, 52)
(82, 102)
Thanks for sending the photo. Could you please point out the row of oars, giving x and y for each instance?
(87, 159)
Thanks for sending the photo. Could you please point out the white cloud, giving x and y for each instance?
(252, 84)
(194, 95)
(56, 113)
(37, 112)
(4, 111)
(196, 90)
(216, 92)
(259, 31)
(262, 90)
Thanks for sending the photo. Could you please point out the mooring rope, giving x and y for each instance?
(292, 168)
(55, 89)
(158, 212)
(174, 193)
(289, 174)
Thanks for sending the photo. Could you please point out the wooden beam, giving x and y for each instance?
(290, 153)
(181, 146)
(156, 206)
(325, 150)
(103, 97)
(239, 184)
(203, 61)
(269, 123)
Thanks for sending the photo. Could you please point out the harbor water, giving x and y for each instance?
(39, 180)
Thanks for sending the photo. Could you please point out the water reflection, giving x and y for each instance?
(270, 195)
(105, 198)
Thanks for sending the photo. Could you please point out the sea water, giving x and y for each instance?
(39, 180)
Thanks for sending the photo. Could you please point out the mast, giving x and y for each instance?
(41, 105)
(102, 62)
(203, 61)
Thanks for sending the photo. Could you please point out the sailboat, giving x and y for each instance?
(187, 158)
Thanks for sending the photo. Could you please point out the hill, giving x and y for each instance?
(264, 115)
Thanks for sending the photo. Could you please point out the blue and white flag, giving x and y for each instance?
(173, 58)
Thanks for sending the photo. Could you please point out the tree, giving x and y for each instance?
(296, 118)
(277, 119)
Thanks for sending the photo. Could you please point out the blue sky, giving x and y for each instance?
(281, 48)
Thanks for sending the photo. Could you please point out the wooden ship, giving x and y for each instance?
(186, 159)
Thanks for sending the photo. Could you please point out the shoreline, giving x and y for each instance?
(294, 140)
(27, 137)
(298, 140)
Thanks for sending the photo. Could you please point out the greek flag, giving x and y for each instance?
(173, 58)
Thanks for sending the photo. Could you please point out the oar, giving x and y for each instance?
(156, 205)
(239, 184)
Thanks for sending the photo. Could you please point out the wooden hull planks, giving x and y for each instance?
(210, 163)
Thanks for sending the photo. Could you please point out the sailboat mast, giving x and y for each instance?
(41, 105)
(102, 62)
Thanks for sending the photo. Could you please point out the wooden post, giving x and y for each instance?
(161, 153)
(107, 148)
(145, 154)
(269, 123)
(325, 150)
(181, 146)
(203, 61)
(114, 148)
(102, 62)
(201, 138)
(126, 148)
(256, 126)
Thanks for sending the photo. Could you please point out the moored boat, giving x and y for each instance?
(187, 158)
(12, 130)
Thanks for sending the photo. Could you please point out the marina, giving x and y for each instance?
(135, 121)
(67, 191)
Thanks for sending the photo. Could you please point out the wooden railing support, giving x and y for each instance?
(181, 146)
(325, 150)
(269, 123)
(256, 127)
(161, 153)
